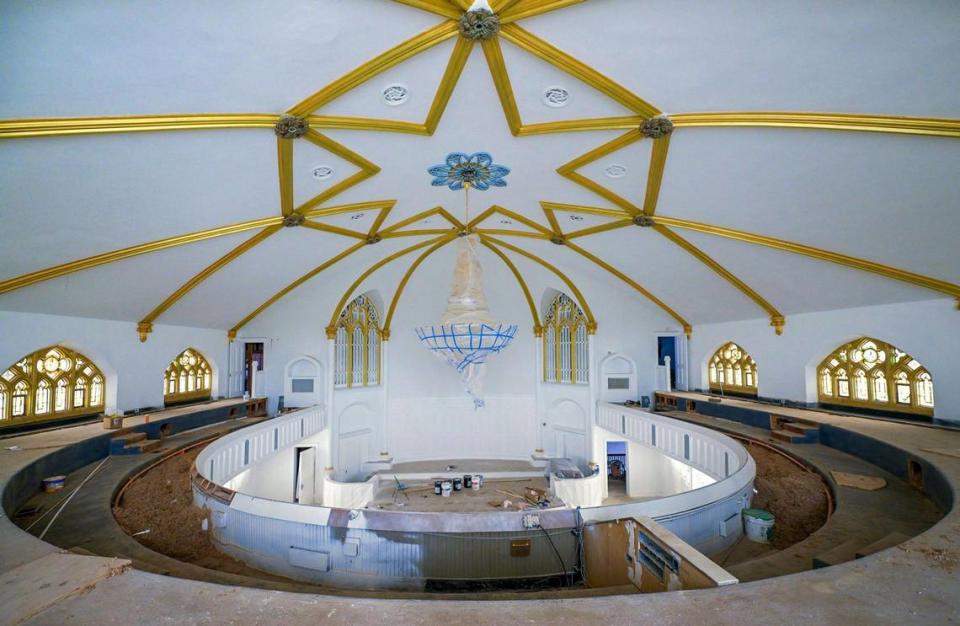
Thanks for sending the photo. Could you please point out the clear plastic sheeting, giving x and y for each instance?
(467, 334)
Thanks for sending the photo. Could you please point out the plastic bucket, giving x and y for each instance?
(758, 525)
(53, 483)
(475, 482)
(446, 487)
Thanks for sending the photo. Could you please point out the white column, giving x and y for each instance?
(666, 373)
(385, 395)
(594, 395)
(538, 417)
(332, 426)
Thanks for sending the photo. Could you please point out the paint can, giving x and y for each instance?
(457, 484)
(475, 482)
(446, 487)
(467, 481)
(479, 479)
(437, 487)
(758, 525)
(53, 483)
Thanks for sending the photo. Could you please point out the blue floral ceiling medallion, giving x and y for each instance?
(476, 170)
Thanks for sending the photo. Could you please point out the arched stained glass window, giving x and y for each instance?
(50, 383)
(732, 370)
(357, 345)
(884, 377)
(187, 378)
(566, 356)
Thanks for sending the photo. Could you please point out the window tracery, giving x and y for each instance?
(884, 377)
(566, 357)
(732, 370)
(357, 345)
(52, 382)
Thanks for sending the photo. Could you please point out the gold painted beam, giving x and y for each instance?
(531, 8)
(933, 126)
(285, 168)
(566, 63)
(451, 76)
(537, 328)
(600, 228)
(495, 209)
(336, 122)
(582, 125)
(500, 6)
(776, 318)
(687, 328)
(568, 170)
(332, 327)
(280, 294)
(437, 7)
(18, 282)
(579, 208)
(350, 208)
(406, 278)
(919, 280)
(658, 161)
(394, 229)
(591, 321)
(501, 80)
(11, 129)
(336, 230)
(367, 169)
(205, 273)
(379, 64)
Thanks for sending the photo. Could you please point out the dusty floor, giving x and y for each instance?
(421, 497)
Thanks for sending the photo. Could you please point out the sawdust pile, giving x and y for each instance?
(797, 498)
(162, 501)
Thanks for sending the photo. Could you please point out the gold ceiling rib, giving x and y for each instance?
(285, 168)
(776, 318)
(451, 76)
(591, 321)
(89, 262)
(687, 328)
(367, 169)
(600, 228)
(501, 81)
(531, 8)
(886, 271)
(145, 325)
(406, 278)
(351, 208)
(11, 129)
(379, 64)
(437, 7)
(576, 68)
(569, 170)
(332, 327)
(537, 328)
(330, 228)
(582, 125)
(541, 232)
(658, 161)
(232, 333)
(933, 126)
(394, 230)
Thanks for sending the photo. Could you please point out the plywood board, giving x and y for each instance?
(954, 452)
(858, 481)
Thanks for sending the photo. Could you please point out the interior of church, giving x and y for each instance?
(486, 311)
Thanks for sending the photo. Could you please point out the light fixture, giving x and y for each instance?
(467, 334)
(556, 97)
(322, 172)
(394, 95)
(615, 170)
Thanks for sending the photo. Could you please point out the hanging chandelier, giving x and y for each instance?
(467, 334)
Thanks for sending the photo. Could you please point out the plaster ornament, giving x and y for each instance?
(294, 219)
(480, 23)
(643, 221)
(656, 127)
(291, 127)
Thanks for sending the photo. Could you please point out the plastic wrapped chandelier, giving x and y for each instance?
(467, 334)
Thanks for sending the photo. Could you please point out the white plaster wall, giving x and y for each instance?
(134, 370)
(927, 330)
(272, 477)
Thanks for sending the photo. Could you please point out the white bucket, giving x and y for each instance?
(758, 525)
(446, 488)
(475, 482)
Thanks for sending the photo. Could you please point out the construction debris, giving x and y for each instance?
(858, 481)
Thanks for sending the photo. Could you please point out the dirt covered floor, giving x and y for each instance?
(161, 501)
(796, 497)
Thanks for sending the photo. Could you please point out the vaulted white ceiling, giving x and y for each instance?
(886, 198)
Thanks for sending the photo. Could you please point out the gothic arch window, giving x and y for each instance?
(566, 357)
(732, 370)
(357, 345)
(188, 378)
(50, 383)
(869, 373)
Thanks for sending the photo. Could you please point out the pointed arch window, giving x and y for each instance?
(50, 383)
(357, 345)
(566, 355)
(884, 377)
(732, 370)
(187, 378)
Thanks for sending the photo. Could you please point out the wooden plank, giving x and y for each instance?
(952, 452)
(858, 481)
